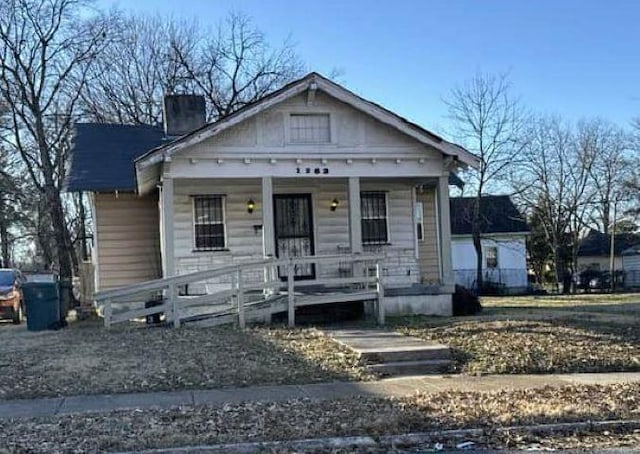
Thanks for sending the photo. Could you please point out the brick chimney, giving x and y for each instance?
(183, 114)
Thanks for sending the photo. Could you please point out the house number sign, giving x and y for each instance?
(313, 170)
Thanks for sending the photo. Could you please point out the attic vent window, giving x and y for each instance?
(310, 128)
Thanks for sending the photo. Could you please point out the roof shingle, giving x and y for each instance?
(598, 244)
(103, 154)
(498, 214)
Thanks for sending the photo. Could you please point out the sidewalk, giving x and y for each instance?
(392, 387)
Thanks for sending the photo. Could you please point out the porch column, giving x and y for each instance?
(355, 229)
(167, 222)
(442, 197)
(268, 234)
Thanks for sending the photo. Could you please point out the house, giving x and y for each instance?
(308, 172)
(504, 252)
(594, 251)
(631, 266)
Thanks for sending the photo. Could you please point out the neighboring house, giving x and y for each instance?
(504, 248)
(309, 170)
(631, 266)
(594, 251)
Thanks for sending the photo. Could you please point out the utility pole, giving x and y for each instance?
(612, 256)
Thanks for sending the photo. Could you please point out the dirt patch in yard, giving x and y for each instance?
(298, 419)
(88, 359)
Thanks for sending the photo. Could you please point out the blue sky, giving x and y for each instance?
(576, 58)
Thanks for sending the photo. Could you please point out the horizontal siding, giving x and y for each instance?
(127, 238)
(352, 132)
(243, 241)
(331, 228)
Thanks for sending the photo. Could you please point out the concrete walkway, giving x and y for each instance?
(392, 387)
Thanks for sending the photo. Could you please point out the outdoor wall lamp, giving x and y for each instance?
(334, 204)
(250, 206)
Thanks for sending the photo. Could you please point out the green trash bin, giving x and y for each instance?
(42, 300)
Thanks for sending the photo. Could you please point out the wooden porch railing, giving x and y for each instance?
(366, 278)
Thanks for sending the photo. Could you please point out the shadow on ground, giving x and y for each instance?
(88, 359)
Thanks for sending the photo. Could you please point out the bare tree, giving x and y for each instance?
(128, 79)
(612, 167)
(9, 213)
(44, 45)
(231, 66)
(235, 65)
(555, 180)
(489, 122)
(582, 188)
(541, 181)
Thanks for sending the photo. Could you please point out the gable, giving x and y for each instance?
(350, 131)
(361, 131)
(309, 84)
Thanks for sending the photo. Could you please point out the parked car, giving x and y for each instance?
(11, 301)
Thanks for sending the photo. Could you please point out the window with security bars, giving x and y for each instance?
(492, 257)
(309, 128)
(209, 228)
(373, 211)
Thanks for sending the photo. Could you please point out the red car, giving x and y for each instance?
(11, 305)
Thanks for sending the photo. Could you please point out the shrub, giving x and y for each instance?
(465, 302)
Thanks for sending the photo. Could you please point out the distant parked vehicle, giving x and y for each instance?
(597, 280)
(11, 301)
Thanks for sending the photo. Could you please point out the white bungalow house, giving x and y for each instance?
(311, 172)
(504, 243)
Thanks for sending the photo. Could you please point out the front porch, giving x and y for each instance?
(211, 223)
(261, 246)
(238, 299)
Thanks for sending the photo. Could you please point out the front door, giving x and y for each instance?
(294, 231)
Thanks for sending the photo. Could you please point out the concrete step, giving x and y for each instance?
(403, 368)
(378, 346)
(404, 353)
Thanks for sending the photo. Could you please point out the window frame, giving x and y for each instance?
(309, 114)
(386, 241)
(223, 210)
(486, 253)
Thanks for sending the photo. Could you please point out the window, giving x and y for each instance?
(492, 257)
(208, 212)
(373, 207)
(310, 128)
(420, 221)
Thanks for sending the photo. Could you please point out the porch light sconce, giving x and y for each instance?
(250, 206)
(334, 204)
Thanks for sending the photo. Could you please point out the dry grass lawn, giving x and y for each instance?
(592, 333)
(87, 359)
(299, 419)
(549, 334)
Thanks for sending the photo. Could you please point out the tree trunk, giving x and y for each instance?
(83, 227)
(477, 242)
(559, 267)
(4, 238)
(62, 239)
